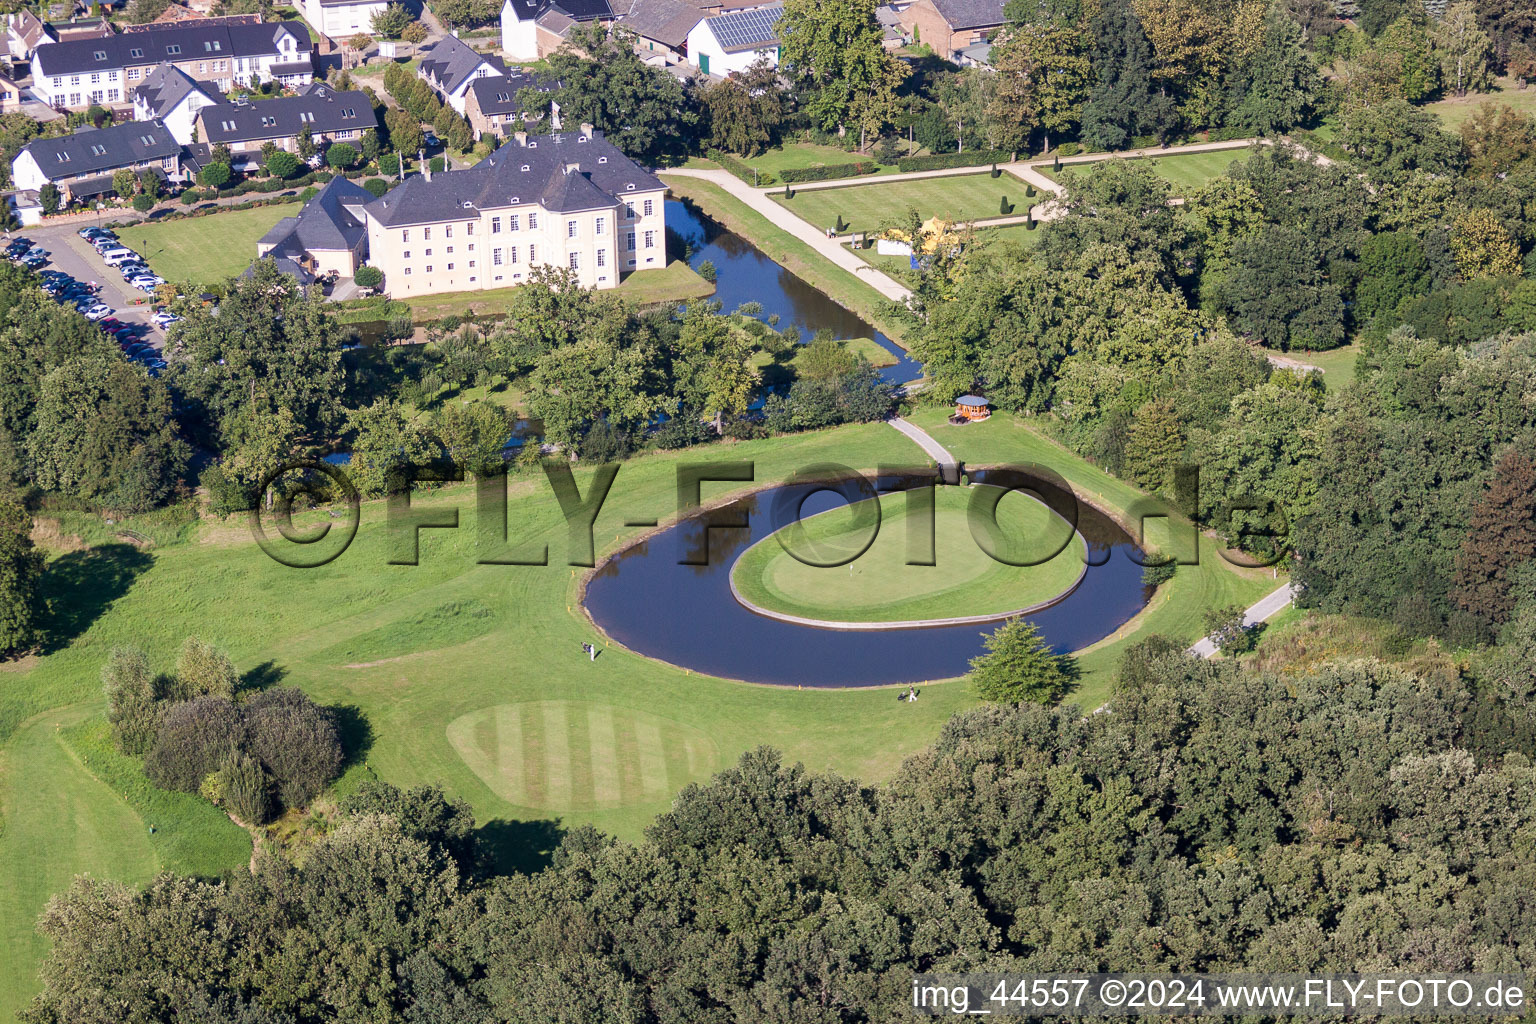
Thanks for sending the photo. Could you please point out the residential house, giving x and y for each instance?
(24, 32)
(12, 96)
(569, 200)
(661, 28)
(329, 235)
(533, 29)
(169, 95)
(733, 41)
(82, 164)
(450, 65)
(341, 19)
(245, 125)
(949, 26)
(492, 108)
(91, 28)
(85, 71)
(892, 35)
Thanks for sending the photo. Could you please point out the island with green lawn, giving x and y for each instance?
(853, 567)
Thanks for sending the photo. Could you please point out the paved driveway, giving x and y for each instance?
(75, 257)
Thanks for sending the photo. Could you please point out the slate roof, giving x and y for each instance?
(499, 95)
(963, 14)
(27, 27)
(666, 21)
(327, 222)
(754, 29)
(317, 106)
(178, 42)
(449, 62)
(602, 177)
(92, 150)
(575, 10)
(165, 87)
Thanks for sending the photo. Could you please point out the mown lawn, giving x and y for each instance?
(1186, 171)
(1455, 110)
(676, 282)
(204, 250)
(958, 198)
(1337, 364)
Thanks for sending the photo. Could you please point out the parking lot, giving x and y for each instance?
(74, 256)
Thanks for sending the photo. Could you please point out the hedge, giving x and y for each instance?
(738, 168)
(827, 172)
(944, 161)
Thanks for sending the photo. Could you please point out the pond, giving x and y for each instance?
(685, 614)
(744, 273)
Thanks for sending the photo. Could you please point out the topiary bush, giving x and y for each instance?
(368, 277)
(377, 186)
(143, 203)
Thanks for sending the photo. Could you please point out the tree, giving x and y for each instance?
(214, 175)
(1278, 84)
(1020, 666)
(282, 164)
(370, 144)
(405, 133)
(21, 569)
(1393, 139)
(195, 739)
(340, 156)
(1407, 44)
(1122, 104)
(245, 786)
(1042, 76)
(203, 670)
(464, 13)
(141, 12)
(1501, 537)
(1227, 631)
(126, 455)
(143, 203)
(415, 32)
(1498, 140)
(49, 197)
(295, 741)
(603, 82)
(1155, 444)
(124, 182)
(745, 109)
(305, 143)
(368, 277)
(149, 184)
(132, 701)
(836, 53)
(391, 21)
(1466, 54)
(386, 442)
(474, 435)
(1483, 247)
(1392, 268)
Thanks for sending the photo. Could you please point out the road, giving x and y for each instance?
(924, 440)
(73, 256)
(1262, 610)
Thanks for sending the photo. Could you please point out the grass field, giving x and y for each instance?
(879, 585)
(466, 674)
(800, 155)
(1186, 172)
(207, 249)
(789, 252)
(958, 197)
(1337, 364)
(1455, 110)
(900, 267)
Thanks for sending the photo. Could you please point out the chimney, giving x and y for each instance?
(521, 137)
(426, 166)
(586, 130)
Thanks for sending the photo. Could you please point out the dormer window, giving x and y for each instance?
(136, 52)
(100, 55)
(173, 49)
(602, 159)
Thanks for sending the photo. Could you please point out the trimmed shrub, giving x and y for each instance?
(282, 164)
(377, 186)
(143, 203)
(1069, 149)
(1004, 207)
(195, 737)
(828, 172)
(295, 740)
(436, 164)
(943, 161)
(389, 163)
(191, 197)
(340, 155)
(368, 277)
(738, 168)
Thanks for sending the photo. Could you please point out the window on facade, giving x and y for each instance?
(429, 268)
(95, 79)
(406, 254)
(471, 267)
(570, 229)
(533, 221)
(112, 95)
(495, 225)
(600, 225)
(448, 231)
(405, 234)
(575, 261)
(469, 228)
(602, 257)
(512, 223)
(512, 255)
(629, 241)
(650, 207)
(450, 248)
(650, 239)
(426, 232)
(495, 257)
(429, 252)
(450, 266)
(533, 256)
(407, 269)
(74, 79)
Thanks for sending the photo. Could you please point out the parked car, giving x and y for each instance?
(110, 323)
(117, 257)
(94, 232)
(164, 318)
(98, 311)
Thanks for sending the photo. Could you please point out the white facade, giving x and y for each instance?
(25, 174)
(342, 20)
(180, 118)
(519, 37)
(710, 56)
(105, 86)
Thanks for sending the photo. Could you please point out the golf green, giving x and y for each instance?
(804, 569)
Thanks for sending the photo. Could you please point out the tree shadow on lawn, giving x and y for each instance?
(355, 733)
(521, 847)
(80, 586)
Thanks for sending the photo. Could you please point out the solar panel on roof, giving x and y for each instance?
(741, 29)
